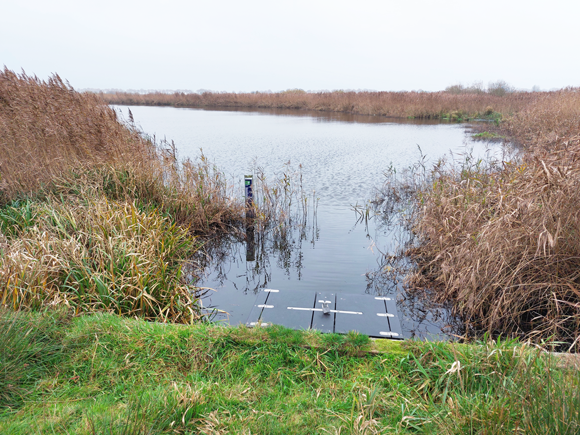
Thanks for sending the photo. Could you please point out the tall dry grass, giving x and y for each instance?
(503, 241)
(46, 129)
(551, 123)
(94, 216)
(429, 105)
(55, 139)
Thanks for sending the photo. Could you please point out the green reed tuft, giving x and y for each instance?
(97, 255)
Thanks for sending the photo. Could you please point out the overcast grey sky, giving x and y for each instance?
(274, 45)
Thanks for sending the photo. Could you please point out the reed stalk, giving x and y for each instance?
(502, 242)
(95, 216)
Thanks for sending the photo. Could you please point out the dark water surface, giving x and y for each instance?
(343, 159)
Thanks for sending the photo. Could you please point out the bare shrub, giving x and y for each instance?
(500, 88)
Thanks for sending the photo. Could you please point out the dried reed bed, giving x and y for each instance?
(503, 241)
(550, 123)
(46, 128)
(92, 215)
(430, 105)
(52, 137)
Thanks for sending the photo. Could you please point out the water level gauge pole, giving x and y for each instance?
(249, 185)
(250, 245)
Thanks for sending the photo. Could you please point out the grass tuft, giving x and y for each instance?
(30, 346)
(116, 375)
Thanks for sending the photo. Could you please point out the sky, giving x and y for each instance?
(254, 45)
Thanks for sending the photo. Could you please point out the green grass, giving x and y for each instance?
(95, 254)
(487, 135)
(104, 374)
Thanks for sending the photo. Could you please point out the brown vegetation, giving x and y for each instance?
(94, 217)
(56, 139)
(47, 129)
(430, 105)
(503, 241)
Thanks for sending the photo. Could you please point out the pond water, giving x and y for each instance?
(342, 160)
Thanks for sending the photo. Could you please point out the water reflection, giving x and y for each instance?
(343, 158)
(321, 116)
(250, 242)
(278, 258)
(248, 262)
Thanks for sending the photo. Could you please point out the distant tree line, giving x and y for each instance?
(498, 88)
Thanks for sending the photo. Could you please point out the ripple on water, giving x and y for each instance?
(342, 158)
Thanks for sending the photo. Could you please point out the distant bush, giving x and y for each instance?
(500, 88)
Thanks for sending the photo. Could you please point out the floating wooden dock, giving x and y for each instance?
(375, 316)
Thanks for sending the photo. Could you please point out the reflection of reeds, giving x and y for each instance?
(429, 105)
(282, 218)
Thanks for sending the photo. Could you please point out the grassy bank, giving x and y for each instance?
(455, 106)
(105, 374)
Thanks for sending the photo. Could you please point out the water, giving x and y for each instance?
(343, 159)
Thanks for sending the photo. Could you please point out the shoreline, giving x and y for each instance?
(438, 105)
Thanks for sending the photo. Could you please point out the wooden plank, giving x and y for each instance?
(375, 316)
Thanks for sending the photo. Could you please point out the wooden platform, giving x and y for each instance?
(375, 316)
